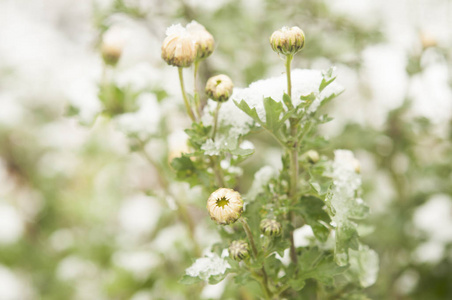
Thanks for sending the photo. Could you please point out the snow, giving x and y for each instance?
(261, 178)
(207, 266)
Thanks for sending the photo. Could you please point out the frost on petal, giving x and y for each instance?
(210, 265)
(175, 29)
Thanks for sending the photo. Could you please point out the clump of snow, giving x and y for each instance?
(207, 266)
(365, 263)
(261, 178)
(304, 82)
(302, 236)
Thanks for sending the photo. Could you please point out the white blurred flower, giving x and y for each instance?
(11, 224)
(139, 263)
(12, 287)
(139, 214)
(74, 267)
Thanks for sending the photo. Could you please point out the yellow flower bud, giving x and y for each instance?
(239, 250)
(204, 41)
(219, 88)
(225, 206)
(178, 48)
(270, 227)
(287, 41)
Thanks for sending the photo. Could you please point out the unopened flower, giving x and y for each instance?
(225, 206)
(357, 166)
(112, 45)
(219, 88)
(178, 48)
(239, 250)
(287, 41)
(312, 156)
(270, 227)
(204, 41)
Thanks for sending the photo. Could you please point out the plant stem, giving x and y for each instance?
(289, 81)
(184, 95)
(215, 124)
(195, 89)
(293, 152)
(249, 234)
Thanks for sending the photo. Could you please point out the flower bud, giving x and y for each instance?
(178, 48)
(287, 41)
(219, 88)
(112, 45)
(357, 166)
(204, 42)
(270, 227)
(312, 156)
(239, 250)
(225, 206)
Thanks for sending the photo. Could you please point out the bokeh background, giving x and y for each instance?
(85, 215)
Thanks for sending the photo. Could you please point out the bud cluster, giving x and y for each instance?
(183, 46)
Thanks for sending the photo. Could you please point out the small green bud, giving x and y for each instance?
(239, 250)
(270, 227)
(219, 88)
(287, 41)
(225, 206)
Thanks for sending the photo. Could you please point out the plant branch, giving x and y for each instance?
(184, 95)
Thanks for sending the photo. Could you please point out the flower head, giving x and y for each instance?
(270, 227)
(219, 88)
(239, 250)
(287, 41)
(178, 48)
(225, 206)
(204, 41)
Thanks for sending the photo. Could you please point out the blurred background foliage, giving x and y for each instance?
(88, 202)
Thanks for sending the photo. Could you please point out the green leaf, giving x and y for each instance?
(249, 111)
(311, 208)
(328, 77)
(287, 101)
(308, 98)
(214, 279)
(346, 237)
(187, 279)
(273, 110)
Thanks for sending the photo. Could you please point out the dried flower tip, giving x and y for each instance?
(239, 250)
(112, 45)
(270, 227)
(225, 206)
(312, 156)
(287, 41)
(357, 166)
(219, 88)
(204, 42)
(178, 48)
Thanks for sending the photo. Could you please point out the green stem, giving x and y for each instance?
(289, 81)
(215, 124)
(264, 281)
(184, 95)
(216, 166)
(195, 89)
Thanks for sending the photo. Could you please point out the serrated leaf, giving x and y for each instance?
(249, 111)
(273, 110)
(308, 98)
(214, 279)
(328, 77)
(287, 101)
(311, 208)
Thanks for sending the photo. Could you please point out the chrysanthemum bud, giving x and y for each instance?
(112, 45)
(225, 206)
(178, 48)
(239, 250)
(270, 227)
(357, 166)
(287, 41)
(204, 41)
(219, 88)
(312, 156)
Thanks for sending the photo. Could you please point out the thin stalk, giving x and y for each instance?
(195, 89)
(293, 159)
(215, 124)
(216, 166)
(249, 234)
(289, 81)
(184, 95)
